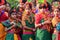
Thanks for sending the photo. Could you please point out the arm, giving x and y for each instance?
(37, 20)
(24, 24)
(6, 29)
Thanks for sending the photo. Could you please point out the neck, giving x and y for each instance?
(11, 19)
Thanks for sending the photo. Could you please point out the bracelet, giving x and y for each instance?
(42, 23)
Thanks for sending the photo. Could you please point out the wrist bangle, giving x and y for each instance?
(42, 23)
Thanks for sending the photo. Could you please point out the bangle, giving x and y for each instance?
(42, 23)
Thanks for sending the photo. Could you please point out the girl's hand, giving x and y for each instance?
(47, 22)
(38, 25)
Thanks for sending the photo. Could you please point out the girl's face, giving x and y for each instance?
(42, 10)
(56, 11)
(20, 9)
(19, 14)
(13, 15)
(8, 8)
(27, 11)
(27, 6)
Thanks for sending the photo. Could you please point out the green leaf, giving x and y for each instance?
(49, 1)
(29, 0)
(40, 1)
(13, 3)
(55, 4)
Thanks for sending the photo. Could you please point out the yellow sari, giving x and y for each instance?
(15, 37)
(54, 22)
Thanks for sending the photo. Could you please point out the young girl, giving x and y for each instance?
(10, 26)
(55, 22)
(42, 24)
(28, 24)
(19, 24)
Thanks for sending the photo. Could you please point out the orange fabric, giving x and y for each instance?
(2, 32)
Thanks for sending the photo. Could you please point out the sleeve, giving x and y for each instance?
(6, 24)
(38, 17)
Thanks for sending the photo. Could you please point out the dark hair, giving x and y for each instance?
(24, 1)
(21, 8)
(0, 0)
(30, 5)
(59, 8)
(44, 6)
(49, 6)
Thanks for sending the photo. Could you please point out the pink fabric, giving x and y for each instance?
(59, 36)
(38, 17)
(10, 31)
(19, 37)
(27, 32)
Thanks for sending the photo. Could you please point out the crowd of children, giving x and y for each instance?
(30, 21)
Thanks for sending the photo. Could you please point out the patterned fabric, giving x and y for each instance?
(3, 16)
(58, 26)
(38, 18)
(28, 34)
(10, 32)
(29, 25)
(41, 34)
(6, 23)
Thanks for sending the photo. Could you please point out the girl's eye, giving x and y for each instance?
(13, 14)
(56, 11)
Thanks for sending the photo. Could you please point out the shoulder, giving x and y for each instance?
(38, 16)
(6, 13)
